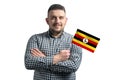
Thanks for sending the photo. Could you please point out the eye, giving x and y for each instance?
(53, 18)
(61, 17)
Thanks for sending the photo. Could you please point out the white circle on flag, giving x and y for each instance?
(85, 40)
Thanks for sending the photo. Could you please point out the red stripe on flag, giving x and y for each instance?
(82, 46)
(78, 36)
(89, 41)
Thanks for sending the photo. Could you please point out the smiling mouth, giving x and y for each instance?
(56, 24)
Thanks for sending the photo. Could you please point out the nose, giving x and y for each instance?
(57, 20)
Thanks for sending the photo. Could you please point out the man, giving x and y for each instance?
(51, 54)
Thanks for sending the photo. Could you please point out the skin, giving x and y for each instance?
(56, 20)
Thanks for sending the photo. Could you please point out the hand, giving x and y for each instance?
(62, 56)
(36, 52)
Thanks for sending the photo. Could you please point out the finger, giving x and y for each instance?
(68, 50)
(35, 52)
(68, 54)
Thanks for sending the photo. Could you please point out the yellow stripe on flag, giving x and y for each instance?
(84, 44)
(83, 35)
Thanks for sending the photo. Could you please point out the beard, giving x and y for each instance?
(52, 31)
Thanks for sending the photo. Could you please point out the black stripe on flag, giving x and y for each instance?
(88, 34)
(83, 42)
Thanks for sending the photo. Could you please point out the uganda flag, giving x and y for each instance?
(85, 40)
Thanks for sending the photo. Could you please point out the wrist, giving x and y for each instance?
(56, 59)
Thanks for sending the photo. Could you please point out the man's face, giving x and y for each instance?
(56, 20)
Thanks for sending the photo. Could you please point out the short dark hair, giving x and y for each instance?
(55, 7)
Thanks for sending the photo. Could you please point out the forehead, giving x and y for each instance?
(56, 13)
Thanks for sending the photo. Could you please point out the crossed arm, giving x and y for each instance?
(61, 56)
(65, 61)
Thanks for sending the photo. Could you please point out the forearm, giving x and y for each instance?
(32, 62)
(63, 66)
(68, 66)
(36, 62)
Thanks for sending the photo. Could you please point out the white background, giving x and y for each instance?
(19, 19)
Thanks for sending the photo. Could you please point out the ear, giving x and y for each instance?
(47, 21)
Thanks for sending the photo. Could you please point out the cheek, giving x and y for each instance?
(49, 22)
(64, 22)
(52, 22)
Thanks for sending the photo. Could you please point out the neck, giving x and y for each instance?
(55, 34)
